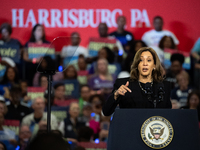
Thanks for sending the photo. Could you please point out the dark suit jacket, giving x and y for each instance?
(135, 99)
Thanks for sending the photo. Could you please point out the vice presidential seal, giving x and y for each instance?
(157, 132)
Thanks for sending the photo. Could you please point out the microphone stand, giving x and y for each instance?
(50, 73)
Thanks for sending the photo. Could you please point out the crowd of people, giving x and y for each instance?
(93, 78)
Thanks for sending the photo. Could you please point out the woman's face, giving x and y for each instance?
(60, 92)
(96, 105)
(194, 101)
(71, 72)
(82, 64)
(11, 74)
(167, 43)
(44, 82)
(5, 34)
(102, 66)
(183, 81)
(24, 86)
(146, 64)
(39, 33)
(102, 53)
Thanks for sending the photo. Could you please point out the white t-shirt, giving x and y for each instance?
(153, 37)
(73, 51)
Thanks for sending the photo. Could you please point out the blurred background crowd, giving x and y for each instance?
(80, 90)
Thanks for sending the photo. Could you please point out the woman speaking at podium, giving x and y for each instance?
(144, 88)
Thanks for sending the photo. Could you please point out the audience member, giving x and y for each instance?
(195, 52)
(16, 111)
(71, 124)
(177, 61)
(73, 50)
(43, 81)
(82, 70)
(86, 114)
(85, 134)
(97, 102)
(193, 102)
(82, 64)
(103, 33)
(102, 81)
(24, 136)
(59, 93)
(181, 92)
(48, 141)
(38, 119)
(125, 37)
(153, 37)
(84, 97)
(104, 53)
(166, 42)
(129, 59)
(6, 31)
(10, 78)
(6, 135)
(37, 37)
(70, 73)
(104, 127)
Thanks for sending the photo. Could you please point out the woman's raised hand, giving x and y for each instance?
(122, 90)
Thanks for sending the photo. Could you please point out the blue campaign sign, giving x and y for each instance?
(71, 87)
(10, 50)
(59, 112)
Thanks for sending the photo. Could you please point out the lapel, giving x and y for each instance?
(136, 91)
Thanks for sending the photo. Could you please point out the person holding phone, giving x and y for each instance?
(145, 88)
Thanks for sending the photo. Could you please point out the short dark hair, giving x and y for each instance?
(121, 16)
(84, 85)
(99, 96)
(85, 134)
(158, 17)
(177, 57)
(75, 33)
(6, 26)
(48, 141)
(15, 89)
(58, 85)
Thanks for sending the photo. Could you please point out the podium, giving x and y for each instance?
(136, 129)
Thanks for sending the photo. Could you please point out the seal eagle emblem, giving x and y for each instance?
(157, 132)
